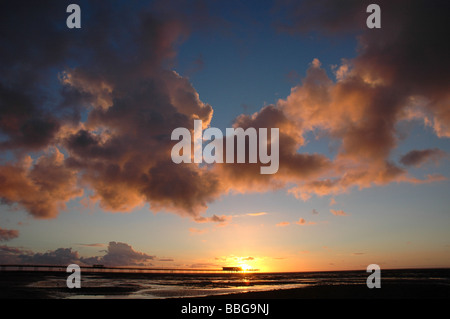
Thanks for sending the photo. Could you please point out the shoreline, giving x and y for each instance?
(20, 285)
(325, 292)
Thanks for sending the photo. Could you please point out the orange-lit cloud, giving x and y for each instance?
(8, 234)
(366, 108)
(121, 150)
(282, 224)
(109, 129)
(302, 222)
(257, 214)
(42, 187)
(372, 93)
(338, 212)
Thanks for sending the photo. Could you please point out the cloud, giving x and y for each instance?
(366, 107)
(221, 220)
(338, 212)
(24, 124)
(8, 234)
(302, 221)
(392, 57)
(106, 121)
(133, 166)
(257, 214)
(12, 255)
(282, 224)
(60, 256)
(121, 254)
(131, 101)
(42, 186)
(294, 166)
(117, 254)
(247, 258)
(373, 92)
(418, 157)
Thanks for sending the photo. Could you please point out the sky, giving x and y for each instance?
(86, 116)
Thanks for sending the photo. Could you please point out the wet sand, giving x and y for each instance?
(387, 291)
(19, 286)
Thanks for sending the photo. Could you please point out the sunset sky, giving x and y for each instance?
(86, 117)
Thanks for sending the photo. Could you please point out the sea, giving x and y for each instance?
(164, 285)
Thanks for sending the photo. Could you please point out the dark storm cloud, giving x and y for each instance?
(112, 71)
(32, 42)
(24, 125)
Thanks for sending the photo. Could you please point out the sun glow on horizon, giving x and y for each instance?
(245, 267)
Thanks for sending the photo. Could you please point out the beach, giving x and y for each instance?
(415, 284)
(388, 291)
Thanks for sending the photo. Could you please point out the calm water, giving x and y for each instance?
(175, 285)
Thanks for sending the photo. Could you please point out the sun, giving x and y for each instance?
(245, 267)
